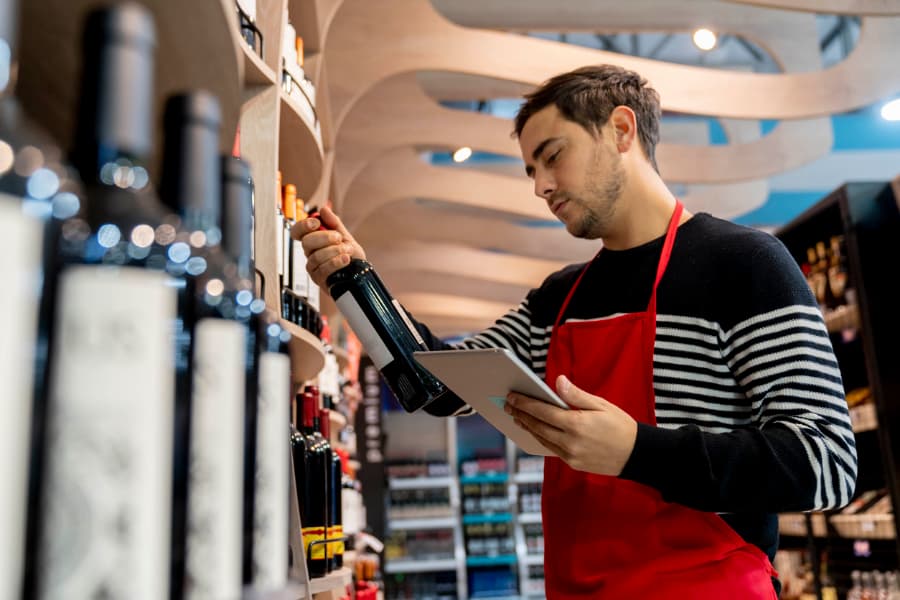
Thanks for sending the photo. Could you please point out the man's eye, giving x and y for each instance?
(552, 158)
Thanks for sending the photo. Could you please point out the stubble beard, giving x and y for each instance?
(601, 197)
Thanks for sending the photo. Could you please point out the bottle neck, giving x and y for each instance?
(191, 183)
(237, 214)
(113, 136)
(309, 412)
(8, 49)
(325, 423)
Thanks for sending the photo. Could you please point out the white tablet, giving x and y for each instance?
(483, 378)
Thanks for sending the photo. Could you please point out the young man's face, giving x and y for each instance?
(577, 173)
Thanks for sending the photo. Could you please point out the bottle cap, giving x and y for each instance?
(290, 202)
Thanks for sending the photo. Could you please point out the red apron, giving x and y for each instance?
(610, 538)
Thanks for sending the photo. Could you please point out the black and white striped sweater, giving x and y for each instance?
(750, 405)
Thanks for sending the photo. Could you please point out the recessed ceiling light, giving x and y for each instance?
(704, 39)
(462, 154)
(891, 110)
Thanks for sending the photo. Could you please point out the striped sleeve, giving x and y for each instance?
(784, 362)
(791, 446)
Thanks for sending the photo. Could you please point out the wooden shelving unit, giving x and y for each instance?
(199, 46)
(866, 339)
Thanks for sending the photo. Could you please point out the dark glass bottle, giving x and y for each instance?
(223, 399)
(335, 552)
(386, 333)
(106, 501)
(299, 459)
(268, 523)
(36, 189)
(314, 501)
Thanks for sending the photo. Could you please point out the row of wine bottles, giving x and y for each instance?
(146, 389)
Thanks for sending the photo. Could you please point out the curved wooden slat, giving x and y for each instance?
(440, 222)
(400, 174)
(472, 263)
(396, 113)
(834, 7)
(402, 281)
(411, 36)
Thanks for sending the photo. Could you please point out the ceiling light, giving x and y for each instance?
(704, 39)
(462, 154)
(891, 110)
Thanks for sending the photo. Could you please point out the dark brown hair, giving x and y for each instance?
(588, 95)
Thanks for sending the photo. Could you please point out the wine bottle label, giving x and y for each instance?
(329, 547)
(109, 483)
(270, 523)
(249, 8)
(20, 252)
(310, 535)
(409, 325)
(299, 277)
(367, 335)
(338, 546)
(314, 296)
(286, 251)
(279, 242)
(215, 489)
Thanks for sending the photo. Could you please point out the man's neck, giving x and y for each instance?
(643, 212)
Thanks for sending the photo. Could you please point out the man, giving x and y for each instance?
(709, 396)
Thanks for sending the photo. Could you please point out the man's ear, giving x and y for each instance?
(624, 127)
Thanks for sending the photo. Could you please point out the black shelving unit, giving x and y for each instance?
(868, 352)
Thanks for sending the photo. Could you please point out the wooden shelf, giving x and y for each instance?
(307, 353)
(292, 591)
(301, 155)
(50, 80)
(334, 580)
(256, 72)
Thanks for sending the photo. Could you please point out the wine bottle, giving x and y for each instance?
(35, 186)
(222, 358)
(314, 501)
(270, 472)
(106, 500)
(334, 531)
(299, 457)
(386, 332)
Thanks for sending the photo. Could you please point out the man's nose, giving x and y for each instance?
(544, 186)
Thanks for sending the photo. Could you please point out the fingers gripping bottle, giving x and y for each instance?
(386, 332)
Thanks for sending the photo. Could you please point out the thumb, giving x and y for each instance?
(576, 397)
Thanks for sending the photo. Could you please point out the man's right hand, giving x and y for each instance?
(326, 251)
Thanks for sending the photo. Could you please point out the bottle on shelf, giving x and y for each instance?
(36, 190)
(250, 33)
(386, 332)
(110, 339)
(220, 407)
(334, 531)
(310, 472)
(270, 471)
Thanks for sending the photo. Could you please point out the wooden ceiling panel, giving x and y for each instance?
(438, 222)
(411, 36)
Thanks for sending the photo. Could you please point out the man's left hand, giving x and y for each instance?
(596, 436)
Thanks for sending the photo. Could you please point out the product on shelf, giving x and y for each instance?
(250, 33)
(108, 490)
(334, 531)
(221, 318)
(312, 460)
(36, 190)
(270, 470)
